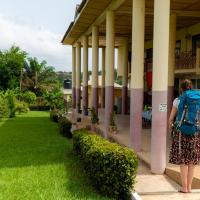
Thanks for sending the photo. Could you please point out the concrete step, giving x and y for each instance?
(174, 173)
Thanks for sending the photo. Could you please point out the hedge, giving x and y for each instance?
(65, 127)
(55, 115)
(111, 168)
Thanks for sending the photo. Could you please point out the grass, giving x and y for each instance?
(36, 163)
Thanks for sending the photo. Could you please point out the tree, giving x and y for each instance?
(38, 77)
(11, 65)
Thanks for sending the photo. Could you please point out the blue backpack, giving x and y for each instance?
(188, 117)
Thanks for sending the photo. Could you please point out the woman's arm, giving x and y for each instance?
(172, 116)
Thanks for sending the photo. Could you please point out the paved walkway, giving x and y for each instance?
(159, 187)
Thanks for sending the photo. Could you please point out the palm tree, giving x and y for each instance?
(38, 77)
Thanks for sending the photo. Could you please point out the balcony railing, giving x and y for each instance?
(188, 63)
(186, 60)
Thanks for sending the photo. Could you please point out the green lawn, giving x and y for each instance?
(37, 163)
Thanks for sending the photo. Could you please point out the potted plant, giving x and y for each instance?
(94, 118)
(112, 125)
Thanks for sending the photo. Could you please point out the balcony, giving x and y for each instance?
(186, 62)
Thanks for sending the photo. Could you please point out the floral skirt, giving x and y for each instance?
(185, 149)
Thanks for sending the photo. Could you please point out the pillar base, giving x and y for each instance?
(124, 100)
(95, 99)
(85, 100)
(136, 118)
(103, 97)
(78, 100)
(73, 97)
(158, 132)
(109, 102)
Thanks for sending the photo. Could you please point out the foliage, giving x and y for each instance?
(112, 119)
(112, 168)
(10, 96)
(94, 116)
(4, 111)
(55, 99)
(65, 127)
(21, 107)
(55, 115)
(11, 65)
(29, 97)
(38, 77)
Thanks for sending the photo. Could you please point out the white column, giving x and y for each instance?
(172, 47)
(110, 53)
(125, 75)
(85, 75)
(73, 77)
(95, 66)
(137, 73)
(78, 75)
(160, 85)
(103, 78)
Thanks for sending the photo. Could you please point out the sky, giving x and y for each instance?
(37, 27)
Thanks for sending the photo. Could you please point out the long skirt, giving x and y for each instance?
(185, 149)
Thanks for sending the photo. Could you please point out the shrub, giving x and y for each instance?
(21, 107)
(94, 116)
(112, 168)
(29, 97)
(65, 127)
(4, 110)
(55, 115)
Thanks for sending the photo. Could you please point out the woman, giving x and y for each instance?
(185, 150)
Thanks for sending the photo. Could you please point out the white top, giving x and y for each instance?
(176, 103)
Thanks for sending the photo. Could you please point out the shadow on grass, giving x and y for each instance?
(30, 141)
(33, 140)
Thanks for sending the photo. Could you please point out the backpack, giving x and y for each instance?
(188, 117)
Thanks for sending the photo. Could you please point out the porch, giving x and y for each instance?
(122, 137)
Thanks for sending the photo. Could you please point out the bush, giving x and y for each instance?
(21, 107)
(55, 115)
(29, 97)
(112, 168)
(39, 108)
(65, 127)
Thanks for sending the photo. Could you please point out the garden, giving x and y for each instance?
(42, 155)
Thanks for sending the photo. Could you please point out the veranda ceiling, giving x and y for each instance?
(188, 13)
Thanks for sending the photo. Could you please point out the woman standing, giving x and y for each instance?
(185, 150)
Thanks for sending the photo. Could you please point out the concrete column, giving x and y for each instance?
(125, 75)
(110, 54)
(85, 75)
(172, 47)
(95, 67)
(103, 79)
(137, 74)
(78, 76)
(160, 85)
(73, 77)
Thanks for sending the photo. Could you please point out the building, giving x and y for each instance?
(149, 34)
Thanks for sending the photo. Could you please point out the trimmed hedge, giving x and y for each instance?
(55, 115)
(65, 127)
(39, 108)
(111, 168)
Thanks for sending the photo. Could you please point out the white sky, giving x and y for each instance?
(37, 26)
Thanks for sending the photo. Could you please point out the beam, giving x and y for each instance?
(112, 6)
(180, 13)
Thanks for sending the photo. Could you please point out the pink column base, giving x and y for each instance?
(170, 98)
(124, 100)
(109, 102)
(78, 99)
(73, 97)
(103, 97)
(95, 99)
(85, 100)
(158, 133)
(136, 118)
